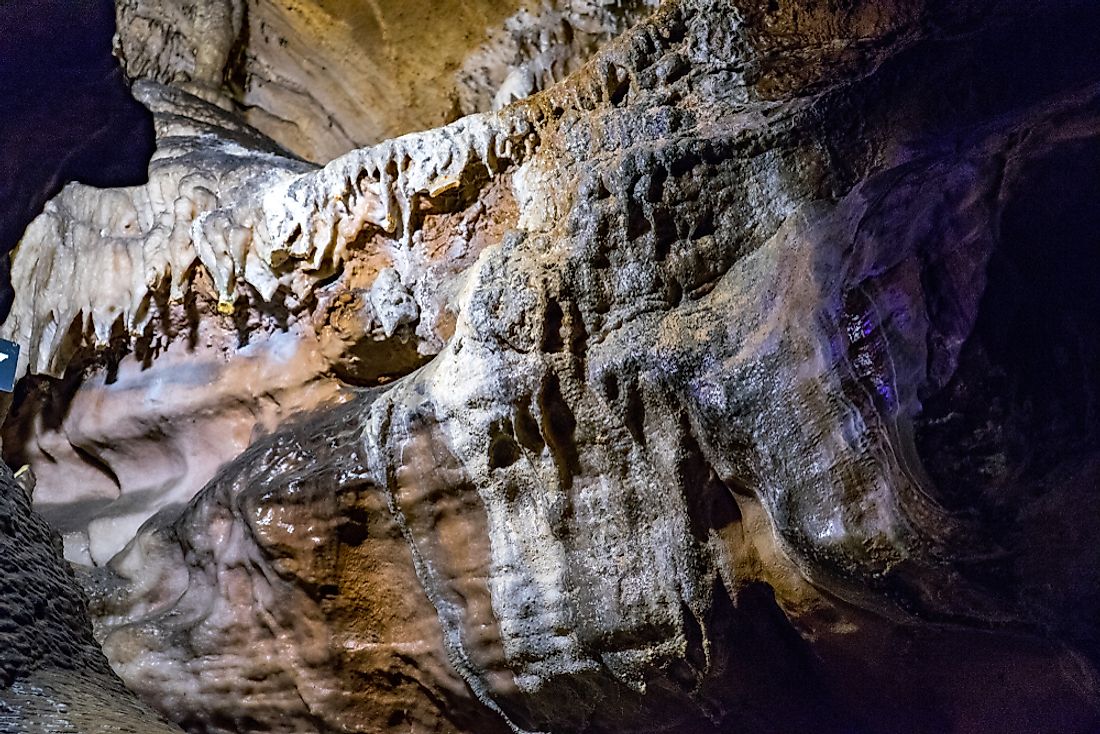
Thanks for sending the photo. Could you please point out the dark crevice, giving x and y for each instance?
(1025, 397)
(527, 428)
(559, 425)
(552, 340)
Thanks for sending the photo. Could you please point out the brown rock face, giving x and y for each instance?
(743, 380)
(324, 76)
(333, 631)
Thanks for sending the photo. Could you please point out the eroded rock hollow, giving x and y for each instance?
(693, 366)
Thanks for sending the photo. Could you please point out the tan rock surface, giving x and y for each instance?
(325, 76)
(686, 395)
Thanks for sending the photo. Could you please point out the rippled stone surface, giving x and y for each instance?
(325, 76)
(753, 389)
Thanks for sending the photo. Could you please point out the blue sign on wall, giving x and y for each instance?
(9, 360)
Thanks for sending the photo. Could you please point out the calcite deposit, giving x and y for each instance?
(728, 367)
(325, 76)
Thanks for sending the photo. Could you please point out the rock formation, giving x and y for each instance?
(53, 677)
(325, 76)
(741, 377)
(71, 132)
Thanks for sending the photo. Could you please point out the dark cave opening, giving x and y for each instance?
(1041, 319)
(1025, 396)
(68, 113)
(1015, 435)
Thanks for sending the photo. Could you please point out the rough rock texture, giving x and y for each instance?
(209, 295)
(53, 677)
(333, 632)
(325, 76)
(751, 387)
(48, 139)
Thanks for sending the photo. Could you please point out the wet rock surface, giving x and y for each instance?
(744, 380)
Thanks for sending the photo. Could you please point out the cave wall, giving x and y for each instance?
(741, 380)
(53, 676)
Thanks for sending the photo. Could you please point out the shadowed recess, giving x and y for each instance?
(68, 113)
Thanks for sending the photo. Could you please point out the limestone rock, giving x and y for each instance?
(698, 392)
(67, 104)
(234, 267)
(53, 677)
(325, 76)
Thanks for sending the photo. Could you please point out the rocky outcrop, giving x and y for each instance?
(236, 266)
(698, 392)
(53, 677)
(325, 76)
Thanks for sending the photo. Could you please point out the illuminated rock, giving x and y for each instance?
(690, 394)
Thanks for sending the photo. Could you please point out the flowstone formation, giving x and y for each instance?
(48, 139)
(325, 76)
(741, 377)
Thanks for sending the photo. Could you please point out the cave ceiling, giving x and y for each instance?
(573, 366)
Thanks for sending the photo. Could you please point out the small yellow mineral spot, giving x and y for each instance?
(443, 186)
